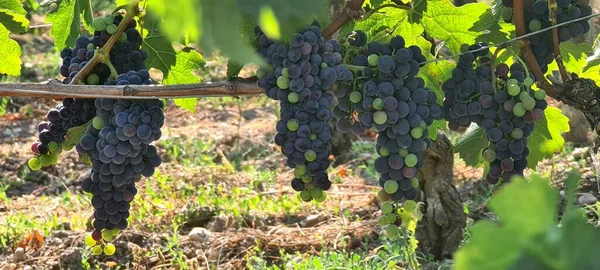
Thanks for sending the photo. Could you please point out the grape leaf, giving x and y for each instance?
(434, 127)
(233, 69)
(546, 138)
(10, 53)
(442, 20)
(85, 7)
(179, 18)
(526, 209)
(435, 74)
(591, 70)
(74, 134)
(12, 16)
(161, 54)
(65, 23)
(497, 8)
(187, 60)
(574, 56)
(471, 144)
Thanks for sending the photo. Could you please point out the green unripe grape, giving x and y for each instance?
(68, 147)
(392, 232)
(391, 218)
(91, 46)
(384, 152)
(411, 160)
(355, 97)
(540, 94)
(310, 155)
(109, 19)
(416, 133)
(115, 232)
(516, 133)
(98, 123)
(489, 155)
(387, 207)
(307, 179)
(99, 24)
(89, 241)
(34, 164)
(383, 221)
(383, 196)
(529, 103)
(378, 104)
(52, 146)
(322, 198)
(293, 97)
(109, 249)
(323, 65)
(375, 129)
(373, 59)
(300, 170)
(523, 96)
(316, 193)
(106, 235)
(390, 186)
(283, 82)
(528, 82)
(123, 37)
(93, 79)
(423, 125)
(45, 160)
(519, 110)
(414, 182)
(313, 137)
(403, 152)
(58, 150)
(409, 206)
(535, 25)
(261, 72)
(513, 89)
(380, 117)
(309, 186)
(512, 81)
(292, 125)
(285, 72)
(112, 29)
(53, 158)
(305, 195)
(97, 250)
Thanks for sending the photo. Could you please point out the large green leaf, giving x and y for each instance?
(456, 26)
(161, 54)
(186, 61)
(10, 53)
(179, 18)
(12, 16)
(525, 210)
(87, 15)
(471, 144)
(546, 138)
(574, 56)
(435, 74)
(65, 23)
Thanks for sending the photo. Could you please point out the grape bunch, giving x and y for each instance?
(386, 96)
(119, 148)
(303, 72)
(537, 16)
(502, 103)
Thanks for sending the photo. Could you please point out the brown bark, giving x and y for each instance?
(441, 229)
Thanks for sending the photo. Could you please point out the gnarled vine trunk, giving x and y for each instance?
(441, 229)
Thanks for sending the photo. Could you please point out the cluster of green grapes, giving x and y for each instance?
(102, 245)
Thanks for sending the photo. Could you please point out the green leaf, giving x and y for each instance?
(187, 60)
(497, 8)
(65, 23)
(442, 20)
(221, 30)
(525, 209)
(434, 127)
(161, 54)
(471, 144)
(574, 56)
(3, 104)
(546, 138)
(268, 23)
(233, 69)
(74, 134)
(10, 53)
(435, 74)
(12, 16)
(85, 7)
(179, 18)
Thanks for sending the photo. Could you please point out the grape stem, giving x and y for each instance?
(355, 68)
(352, 11)
(103, 53)
(561, 67)
(516, 55)
(113, 71)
